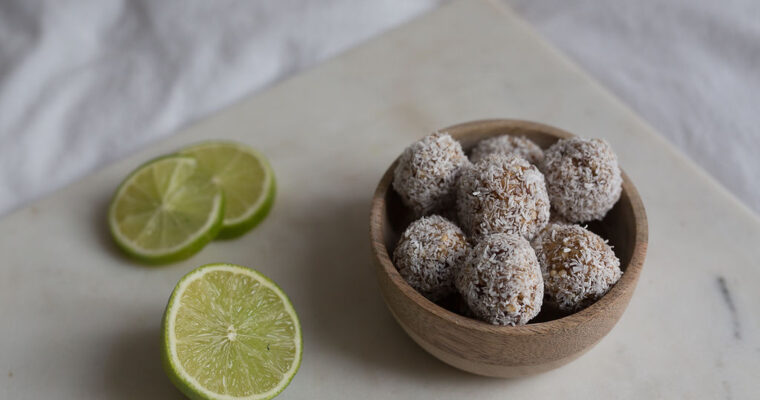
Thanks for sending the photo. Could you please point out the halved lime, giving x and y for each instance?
(230, 333)
(166, 210)
(246, 179)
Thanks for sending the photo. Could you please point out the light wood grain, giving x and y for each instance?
(498, 351)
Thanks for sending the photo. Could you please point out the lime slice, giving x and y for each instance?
(230, 333)
(246, 179)
(166, 210)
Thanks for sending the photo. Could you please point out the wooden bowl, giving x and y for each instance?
(550, 340)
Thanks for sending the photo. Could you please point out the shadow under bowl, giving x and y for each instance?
(548, 341)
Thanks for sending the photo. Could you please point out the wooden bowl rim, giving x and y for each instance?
(628, 280)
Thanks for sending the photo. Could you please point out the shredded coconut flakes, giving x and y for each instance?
(582, 178)
(426, 174)
(578, 266)
(501, 280)
(507, 144)
(428, 255)
(502, 194)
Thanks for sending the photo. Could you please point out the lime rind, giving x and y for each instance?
(260, 212)
(182, 251)
(257, 212)
(188, 385)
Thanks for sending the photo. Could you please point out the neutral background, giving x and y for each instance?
(83, 83)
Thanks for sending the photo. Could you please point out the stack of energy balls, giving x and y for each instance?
(501, 228)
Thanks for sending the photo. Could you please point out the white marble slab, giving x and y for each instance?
(77, 320)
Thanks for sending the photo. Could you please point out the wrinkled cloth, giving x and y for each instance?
(690, 68)
(84, 83)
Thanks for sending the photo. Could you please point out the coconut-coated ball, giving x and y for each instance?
(577, 265)
(426, 174)
(428, 255)
(508, 144)
(502, 194)
(583, 178)
(501, 280)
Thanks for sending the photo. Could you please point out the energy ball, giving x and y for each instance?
(582, 178)
(502, 194)
(426, 174)
(501, 280)
(428, 255)
(577, 265)
(506, 144)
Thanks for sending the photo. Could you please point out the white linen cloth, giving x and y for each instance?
(83, 83)
(691, 68)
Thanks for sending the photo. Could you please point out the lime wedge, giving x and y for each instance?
(230, 333)
(166, 210)
(246, 179)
